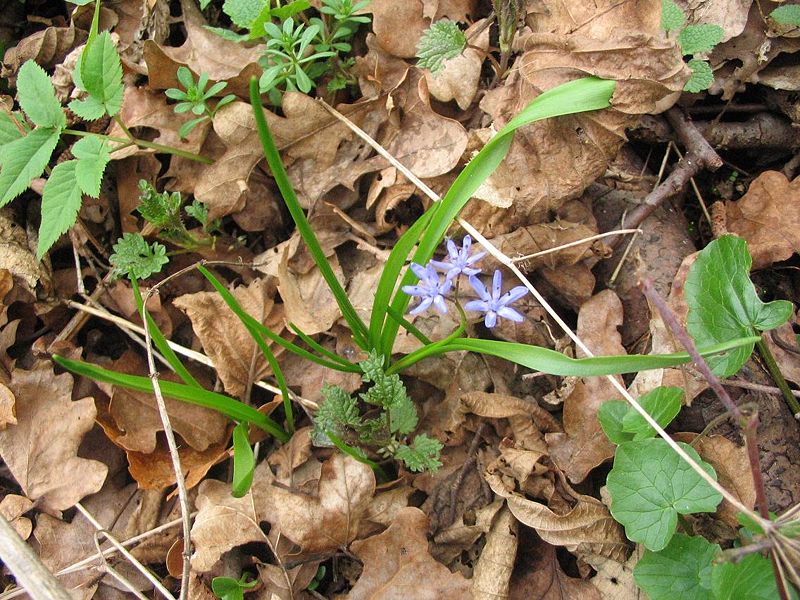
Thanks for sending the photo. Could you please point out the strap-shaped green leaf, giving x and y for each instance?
(244, 461)
(234, 409)
(23, 159)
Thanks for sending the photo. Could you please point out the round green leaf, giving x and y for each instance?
(681, 571)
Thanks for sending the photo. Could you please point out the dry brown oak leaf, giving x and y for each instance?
(398, 565)
(768, 217)
(41, 450)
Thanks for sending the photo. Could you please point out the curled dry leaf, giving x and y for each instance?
(768, 217)
(731, 15)
(397, 560)
(492, 576)
(449, 543)
(539, 575)
(398, 26)
(41, 450)
(12, 507)
(225, 340)
(583, 445)
(455, 10)
(47, 47)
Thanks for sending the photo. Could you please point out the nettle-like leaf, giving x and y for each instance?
(337, 413)
(61, 201)
(24, 159)
(244, 12)
(702, 76)
(133, 256)
(622, 423)
(723, 304)
(422, 455)
(650, 485)
(752, 578)
(672, 17)
(93, 155)
(682, 570)
(37, 97)
(699, 38)
(443, 41)
(786, 15)
(9, 131)
(99, 73)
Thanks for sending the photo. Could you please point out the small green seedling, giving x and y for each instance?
(228, 588)
(194, 97)
(442, 41)
(693, 40)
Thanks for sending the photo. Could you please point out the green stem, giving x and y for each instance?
(144, 144)
(350, 451)
(778, 377)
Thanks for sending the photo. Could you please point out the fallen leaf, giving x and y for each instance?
(614, 579)
(458, 78)
(583, 445)
(12, 507)
(41, 449)
(398, 26)
(731, 15)
(225, 340)
(397, 560)
(47, 47)
(455, 10)
(538, 574)
(136, 415)
(492, 576)
(459, 537)
(768, 217)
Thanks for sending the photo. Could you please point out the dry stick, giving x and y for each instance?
(699, 155)
(27, 568)
(591, 238)
(749, 425)
(765, 524)
(767, 389)
(122, 550)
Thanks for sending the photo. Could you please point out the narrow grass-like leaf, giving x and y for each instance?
(244, 461)
(37, 97)
(248, 321)
(723, 304)
(229, 407)
(23, 159)
(681, 571)
(161, 342)
(555, 363)
(273, 157)
(93, 155)
(582, 95)
(650, 485)
(319, 347)
(61, 201)
(266, 331)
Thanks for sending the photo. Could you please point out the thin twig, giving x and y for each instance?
(757, 387)
(124, 551)
(585, 240)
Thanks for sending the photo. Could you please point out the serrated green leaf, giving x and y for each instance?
(133, 256)
(8, 130)
(786, 15)
(61, 201)
(403, 416)
(610, 416)
(422, 455)
(23, 159)
(681, 571)
(88, 109)
(244, 12)
(101, 73)
(443, 41)
(702, 76)
(723, 303)
(752, 578)
(244, 461)
(672, 16)
(699, 38)
(93, 156)
(37, 97)
(650, 485)
(337, 413)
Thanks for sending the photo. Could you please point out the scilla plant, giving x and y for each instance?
(347, 422)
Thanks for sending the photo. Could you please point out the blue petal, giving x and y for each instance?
(497, 284)
(491, 319)
(479, 288)
(509, 313)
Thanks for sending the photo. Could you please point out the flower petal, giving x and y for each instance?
(414, 290)
(497, 284)
(439, 303)
(514, 294)
(477, 306)
(509, 313)
(479, 288)
(491, 319)
(422, 306)
(419, 270)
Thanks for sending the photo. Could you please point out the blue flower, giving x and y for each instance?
(493, 304)
(430, 289)
(460, 260)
